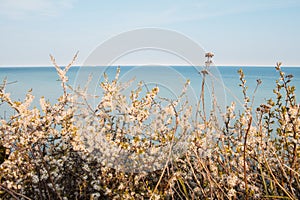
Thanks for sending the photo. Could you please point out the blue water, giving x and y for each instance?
(170, 80)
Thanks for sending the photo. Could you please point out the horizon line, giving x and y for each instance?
(155, 65)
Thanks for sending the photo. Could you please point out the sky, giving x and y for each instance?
(250, 32)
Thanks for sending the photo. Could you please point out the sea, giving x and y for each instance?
(222, 83)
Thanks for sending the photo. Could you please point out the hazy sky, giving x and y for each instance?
(250, 32)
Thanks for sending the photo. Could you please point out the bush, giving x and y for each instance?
(48, 153)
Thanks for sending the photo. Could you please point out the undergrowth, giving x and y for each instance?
(253, 154)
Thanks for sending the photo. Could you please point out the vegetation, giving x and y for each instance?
(49, 153)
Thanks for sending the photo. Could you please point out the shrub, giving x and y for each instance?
(55, 152)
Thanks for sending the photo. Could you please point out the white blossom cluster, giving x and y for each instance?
(134, 133)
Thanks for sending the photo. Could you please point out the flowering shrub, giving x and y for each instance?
(70, 150)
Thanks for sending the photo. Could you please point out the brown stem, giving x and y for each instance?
(244, 156)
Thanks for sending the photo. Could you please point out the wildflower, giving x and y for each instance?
(209, 55)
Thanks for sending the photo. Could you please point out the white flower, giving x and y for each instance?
(232, 180)
(169, 110)
(231, 192)
(35, 179)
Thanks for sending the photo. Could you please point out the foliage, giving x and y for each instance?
(253, 154)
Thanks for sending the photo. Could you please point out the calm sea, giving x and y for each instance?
(221, 83)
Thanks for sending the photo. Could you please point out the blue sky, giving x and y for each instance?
(256, 32)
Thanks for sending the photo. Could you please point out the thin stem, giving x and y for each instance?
(244, 157)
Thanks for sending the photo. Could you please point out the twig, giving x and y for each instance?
(275, 180)
(170, 152)
(13, 193)
(244, 157)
